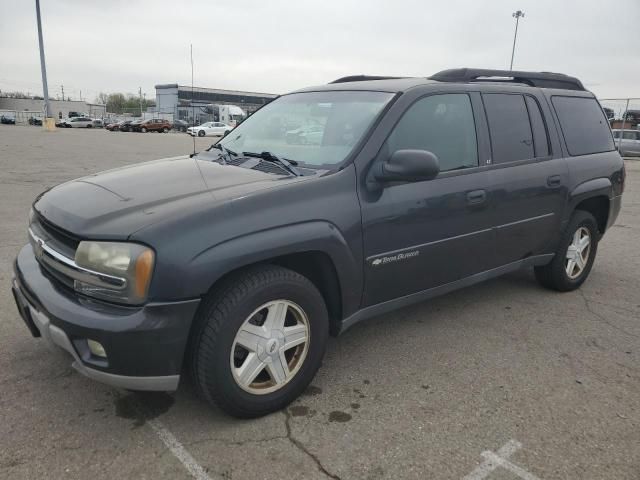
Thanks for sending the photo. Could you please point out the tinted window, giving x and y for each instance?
(511, 136)
(616, 134)
(540, 138)
(630, 136)
(442, 124)
(584, 125)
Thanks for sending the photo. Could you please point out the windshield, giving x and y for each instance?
(316, 129)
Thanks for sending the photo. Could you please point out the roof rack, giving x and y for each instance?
(534, 79)
(362, 78)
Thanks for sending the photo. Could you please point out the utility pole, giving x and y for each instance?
(62, 88)
(140, 94)
(517, 16)
(45, 89)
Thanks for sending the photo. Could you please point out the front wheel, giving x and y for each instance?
(201, 133)
(143, 130)
(165, 130)
(575, 255)
(258, 341)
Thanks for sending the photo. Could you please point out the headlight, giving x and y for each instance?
(128, 266)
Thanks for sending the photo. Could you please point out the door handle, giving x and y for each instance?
(476, 197)
(554, 181)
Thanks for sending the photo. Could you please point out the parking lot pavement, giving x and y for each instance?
(503, 380)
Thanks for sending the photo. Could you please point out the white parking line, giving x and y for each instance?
(500, 459)
(178, 450)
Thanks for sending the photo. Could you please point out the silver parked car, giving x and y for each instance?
(79, 122)
(629, 145)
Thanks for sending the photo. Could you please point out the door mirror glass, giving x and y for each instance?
(408, 166)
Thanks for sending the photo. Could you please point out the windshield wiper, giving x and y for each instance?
(224, 151)
(288, 165)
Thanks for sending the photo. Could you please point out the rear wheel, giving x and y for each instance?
(89, 126)
(259, 341)
(165, 130)
(143, 130)
(575, 255)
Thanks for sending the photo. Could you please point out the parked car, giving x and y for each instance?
(180, 125)
(35, 121)
(152, 125)
(78, 122)
(239, 261)
(114, 126)
(629, 145)
(127, 126)
(308, 134)
(210, 129)
(7, 120)
(98, 123)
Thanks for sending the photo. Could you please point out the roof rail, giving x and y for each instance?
(362, 78)
(534, 79)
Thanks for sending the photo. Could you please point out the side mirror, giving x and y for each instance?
(408, 166)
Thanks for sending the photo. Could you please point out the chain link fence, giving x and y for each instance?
(624, 118)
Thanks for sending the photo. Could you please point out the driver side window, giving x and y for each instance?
(442, 124)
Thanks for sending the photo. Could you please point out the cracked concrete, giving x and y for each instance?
(425, 390)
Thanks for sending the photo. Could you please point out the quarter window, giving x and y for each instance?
(510, 130)
(443, 125)
(584, 125)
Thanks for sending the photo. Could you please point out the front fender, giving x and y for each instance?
(210, 265)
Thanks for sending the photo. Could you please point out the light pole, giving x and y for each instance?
(517, 16)
(45, 88)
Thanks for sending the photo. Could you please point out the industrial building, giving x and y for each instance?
(195, 103)
(22, 108)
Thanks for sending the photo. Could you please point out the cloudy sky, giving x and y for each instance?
(275, 46)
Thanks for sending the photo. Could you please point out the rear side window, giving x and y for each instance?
(584, 125)
(510, 130)
(630, 136)
(442, 124)
(540, 138)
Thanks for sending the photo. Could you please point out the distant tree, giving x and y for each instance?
(102, 98)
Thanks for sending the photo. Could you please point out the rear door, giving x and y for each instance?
(528, 175)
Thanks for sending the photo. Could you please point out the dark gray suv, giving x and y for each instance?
(235, 264)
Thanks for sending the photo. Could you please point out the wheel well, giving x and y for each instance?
(599, 208)
(318, 267)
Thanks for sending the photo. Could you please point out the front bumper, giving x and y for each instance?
(144, 345)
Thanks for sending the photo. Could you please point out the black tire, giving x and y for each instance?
(226, 132)
(554, 275)
(222, 313)
(143, 130)
(89, 126)
(201, 133)
(165, 130)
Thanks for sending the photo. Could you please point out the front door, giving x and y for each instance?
(424, 234)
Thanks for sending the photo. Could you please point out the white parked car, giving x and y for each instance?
(79, 122)
(210, 129)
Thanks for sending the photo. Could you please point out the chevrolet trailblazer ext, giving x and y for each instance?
(237, 262)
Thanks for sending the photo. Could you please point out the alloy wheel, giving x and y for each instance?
(578, 253)
(270, 347)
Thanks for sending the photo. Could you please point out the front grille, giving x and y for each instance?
(57, 234)
(59, 240)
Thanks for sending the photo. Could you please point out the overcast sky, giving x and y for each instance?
(276, 46)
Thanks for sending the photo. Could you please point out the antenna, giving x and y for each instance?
(193, 110)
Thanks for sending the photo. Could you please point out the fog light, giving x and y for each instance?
(96, 348)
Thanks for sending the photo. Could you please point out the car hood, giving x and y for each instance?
(116, 203)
